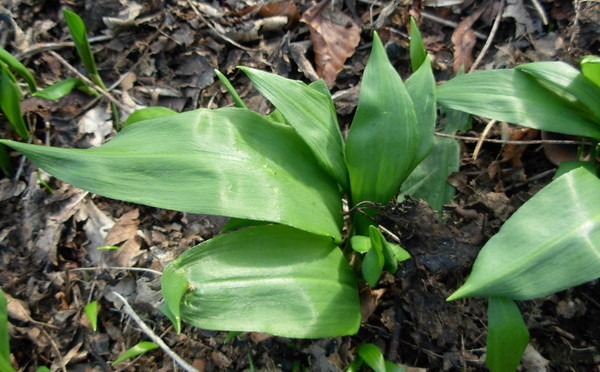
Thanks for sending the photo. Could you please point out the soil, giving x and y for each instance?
(163, 53)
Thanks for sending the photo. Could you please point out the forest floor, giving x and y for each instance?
(164, 53)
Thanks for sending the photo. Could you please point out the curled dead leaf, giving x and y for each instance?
(334, 36)
(464, 40)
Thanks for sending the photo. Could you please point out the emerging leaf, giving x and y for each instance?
(10, 102)
(590, 67)
(418, 54)
(91, 312)
(79, 34)
(507, 335)
(19, 68)
(139, 349)
(59, 89)
(383, 140)
(4, 337)
(272, 279)
(229, 162)
(549, 244)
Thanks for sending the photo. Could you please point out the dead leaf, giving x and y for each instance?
(279, 8)
(334, 36)
(97, 225)
(513, 153)
(558, 153)
(464, 40)
(125, 233)
(369, 299)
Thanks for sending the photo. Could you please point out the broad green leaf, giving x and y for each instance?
(43, 369)
(59, 89)
(10, 103)
(273, 279)
(5, 161)
(230, 162)
(516, 97)
(418, 55)
(311, 113)
(374, 260)
(549, 244)
(383, 139)
(421, 88)
(590, 67)
(19, 68)
(79, 35)
(236, 97)
(136, 350)
(372, 356)
(397, 253)
(429, 180)
(567, 166)
(4, 337)
(507, 335)
(565, 80)
(91, 312)
(148, 113)
(360, 243)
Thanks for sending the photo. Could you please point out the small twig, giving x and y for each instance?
(224, 37)
(488, 41)
(157, 340)
(508, 142)
(390, 234)
(42, 47)
(541, 11)
(449, 23)
(106, 94)
(54, 345)
(484, 134)
(155, 272)
(530, 179)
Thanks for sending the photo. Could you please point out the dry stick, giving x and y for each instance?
(532, 142)
(155, 272)
(484, 134)
(54, 345)
(448, 23)
(224, 37)
(541, 11)
(86, 80)
(490, 38)
(157, 340)
(42, 47)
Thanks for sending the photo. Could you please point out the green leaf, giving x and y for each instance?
(238, 223)
(42, 369)
(507, 335)
(230, 162)
(374, 260)
(418, 54)
(236, 97)
(590, 67)
(10, 103)
(59, 89)
(429, 180)
(311, 113)
(372, 356)
(565, 80)
(272, 279)
(138, 349)
(19, 68)
(4, 337)
(383, 140)
(549, 244)
(91, 312)
(5, 161)
(421, 88)
(147, 113)
(82, 45)
(360, 243)
(516, 97)
(395, 253)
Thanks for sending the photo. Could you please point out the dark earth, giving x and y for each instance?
(163, 53)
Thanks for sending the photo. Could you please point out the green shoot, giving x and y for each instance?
(136, 350)
(91, 312)
(19, 68)
(10, 102)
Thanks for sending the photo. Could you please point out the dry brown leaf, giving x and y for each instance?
(125, 233)
(513, 153)
(464, 40)
(334, 36)
(281, 8)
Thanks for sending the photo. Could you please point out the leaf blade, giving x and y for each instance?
(514, 97)
(311, 113)
(138, 349)
(10, 102)
(18, 67)
(225, 162)
(272, 279)
(530, 258)
(507, 335)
